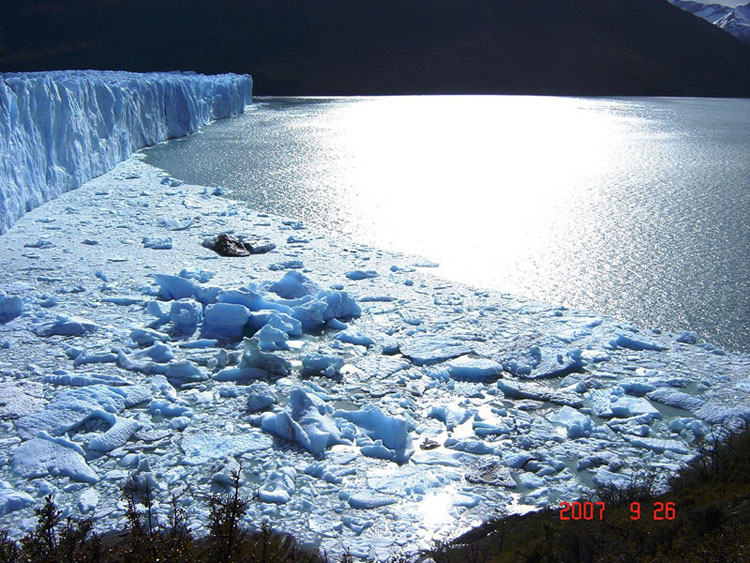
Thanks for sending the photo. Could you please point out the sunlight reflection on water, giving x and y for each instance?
(637, 208)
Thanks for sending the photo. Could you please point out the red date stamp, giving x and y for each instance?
(595, 510)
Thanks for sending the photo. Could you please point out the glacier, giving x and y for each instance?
(60, 129)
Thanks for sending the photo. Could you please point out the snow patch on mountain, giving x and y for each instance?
(735, 21)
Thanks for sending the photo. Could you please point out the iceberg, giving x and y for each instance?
(60, 129)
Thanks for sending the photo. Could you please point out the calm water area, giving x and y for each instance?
(637, 208)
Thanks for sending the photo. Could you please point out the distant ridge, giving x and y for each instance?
(298, 47)
(732, 20)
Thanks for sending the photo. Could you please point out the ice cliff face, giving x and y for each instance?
(60, 129)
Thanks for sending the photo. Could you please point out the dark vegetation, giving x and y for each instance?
(303, 47)
(145, 541)
(711, 499)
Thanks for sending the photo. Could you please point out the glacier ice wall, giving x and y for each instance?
(60, 129)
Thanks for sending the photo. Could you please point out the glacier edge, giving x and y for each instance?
(60, 129)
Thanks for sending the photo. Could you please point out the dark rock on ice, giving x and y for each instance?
(228, 245)
(429, 444)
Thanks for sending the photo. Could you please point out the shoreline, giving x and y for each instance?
(96, 264)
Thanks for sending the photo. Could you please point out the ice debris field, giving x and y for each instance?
(369, 404)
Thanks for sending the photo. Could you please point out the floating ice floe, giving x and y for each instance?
(72, 407)
(200, 446)
(428, 350)
(357, 275)
(48, 455)
(67, 326)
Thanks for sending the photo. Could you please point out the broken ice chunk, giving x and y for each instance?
(467, 367)
(451, 415)
(356, 275)
(66, 326)
(175, 287)
(577, 423)
(326, 306)
(365, 499)
(624, 407)
(186, 314)
(271, 338)
(200, 446)
(119, 433)
(12, 500)
(322, 471)
(279, 486)
(294, 285)
(491, 473)
(157, 243)
(549, 360)
(321, 364)
(635, 343)
(71, 408)
(88, 500)
(518, 390)
(225, 320)
(675, 398)
(309, 422)
(46, 455)
(354, 336)
(10, 308)
(260, 396)
(605, 478)
(254, 357)
(471, 446)
(659, 445)
(20, 398)
(287, 265)
(430, 350)
(393, 431)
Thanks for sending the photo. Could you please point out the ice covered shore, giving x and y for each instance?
(375, 407)
(60, 129)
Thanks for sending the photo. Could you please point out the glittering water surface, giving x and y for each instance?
(635, 207)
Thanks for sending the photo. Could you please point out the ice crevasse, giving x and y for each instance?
(60, 129)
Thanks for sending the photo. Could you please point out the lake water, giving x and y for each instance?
(637, 208)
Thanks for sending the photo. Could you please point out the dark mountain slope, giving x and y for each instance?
(390, 46)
